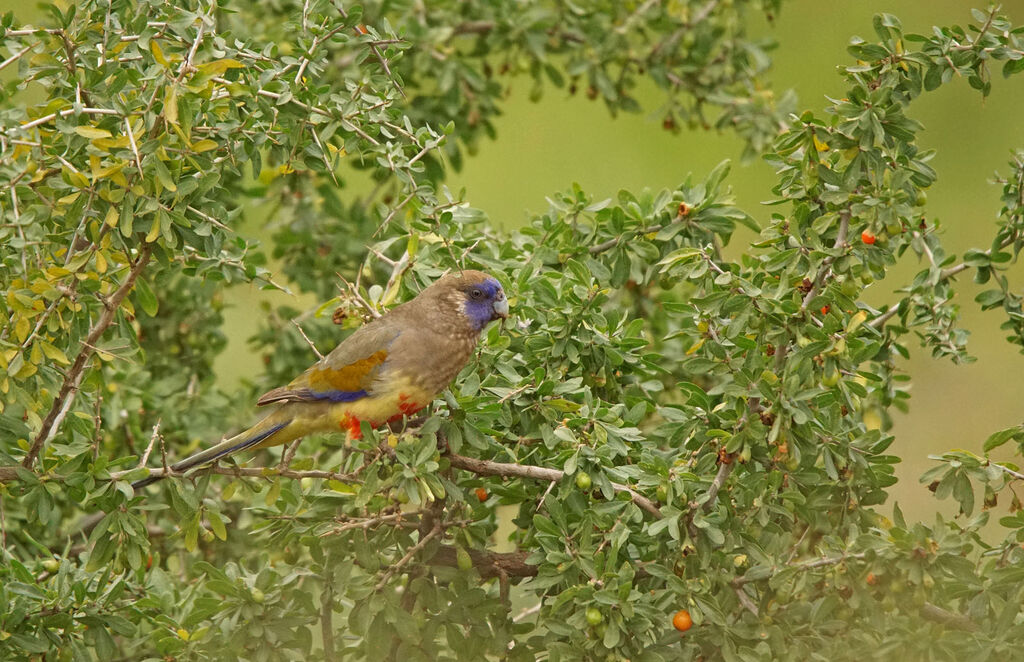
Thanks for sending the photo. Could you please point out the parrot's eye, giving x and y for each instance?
(476, 293)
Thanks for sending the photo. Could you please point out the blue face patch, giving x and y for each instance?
(480, 311)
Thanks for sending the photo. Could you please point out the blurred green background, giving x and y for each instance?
(545, 147)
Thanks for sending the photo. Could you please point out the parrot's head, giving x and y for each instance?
(474, 296)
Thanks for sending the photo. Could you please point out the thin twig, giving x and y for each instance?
(612, 243)
(526, 613)
(944, 275)
(408, 556)
(746, 601)
(289, 454)
(186, 65)
(64, 113)
(724, 469)
(62, 403)
(353, 291)
(97, 424)
(397, 270)
(364, 523)
(939, 615)
(507, 470)
(323, 154)
(308, 341)
(826, 264)
(152, 442)
(248, 472)
(135, 146)
(207, 217)
(14, 58)
(327, 620)
(1016, 474)
(540, 504)
(394, 211)
(805, 565)
(21, 231)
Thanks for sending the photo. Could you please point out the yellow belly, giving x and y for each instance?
(403, 398)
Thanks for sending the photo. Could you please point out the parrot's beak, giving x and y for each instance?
(501, 305)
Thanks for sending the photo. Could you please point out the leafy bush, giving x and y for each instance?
(657, 429)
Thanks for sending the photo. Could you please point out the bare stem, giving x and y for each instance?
(152, 442)
(62, 403)
(509, 470)
(826, 264)
(408, 557)
(724, 469)
(944, 275)
(308, 341)
(252, 472)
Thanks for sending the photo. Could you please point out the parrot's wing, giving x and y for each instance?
(344, 375)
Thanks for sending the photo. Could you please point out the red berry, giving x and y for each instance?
(825, 309)
(867, 237)
(682, 620)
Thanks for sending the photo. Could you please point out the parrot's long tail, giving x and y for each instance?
(257, 434)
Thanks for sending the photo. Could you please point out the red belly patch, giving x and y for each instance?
(406, 407)
(351, 424)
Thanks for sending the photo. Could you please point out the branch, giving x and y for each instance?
(316, 351)
(939, 615)
(612, 243)
(13, 58)
(944, 275)
(364, 523)
(63, 113)
(844, 227)
(327, 620)
(488, 564)
(1014, 474)
(253, 472)
(473, 27)
(745, 600)
(390, 572)
(508, 470)
(62, 403)
(724, 469)
(805, 565)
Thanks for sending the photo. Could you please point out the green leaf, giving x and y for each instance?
(147, 299)
(997, 439)
(92, 132)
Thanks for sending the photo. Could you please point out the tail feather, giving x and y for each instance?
(251, 437)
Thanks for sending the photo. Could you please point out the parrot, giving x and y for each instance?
(389, 368)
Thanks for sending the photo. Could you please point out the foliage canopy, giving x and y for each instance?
(664, 428)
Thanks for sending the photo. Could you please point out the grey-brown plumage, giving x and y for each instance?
(389, 368)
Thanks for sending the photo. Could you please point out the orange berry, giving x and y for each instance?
(481, 494)
(871, 579)
(867, 237)
(682, 621)
(825, 309)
